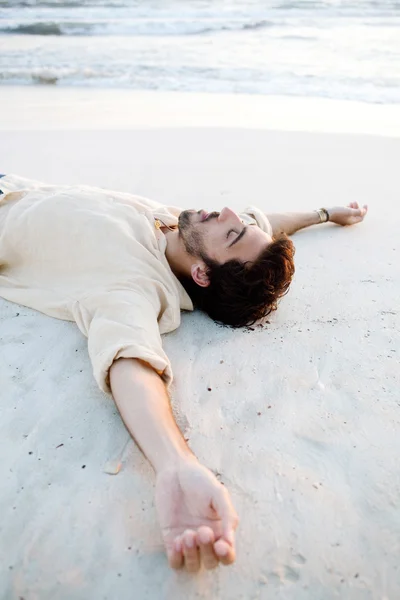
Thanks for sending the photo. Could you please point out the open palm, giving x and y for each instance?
(196, 516)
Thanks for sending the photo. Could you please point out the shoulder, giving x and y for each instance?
(254, 216)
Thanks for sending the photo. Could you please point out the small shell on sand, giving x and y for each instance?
(112, 467)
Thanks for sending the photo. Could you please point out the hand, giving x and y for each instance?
(347, 215)
(197, 517)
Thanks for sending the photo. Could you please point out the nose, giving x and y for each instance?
(227, 213)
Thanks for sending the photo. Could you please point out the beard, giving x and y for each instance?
(190, 235)
(191, 238)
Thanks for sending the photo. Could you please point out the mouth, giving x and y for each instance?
(207, 216)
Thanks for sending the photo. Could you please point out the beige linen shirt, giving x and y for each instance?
(96, 257)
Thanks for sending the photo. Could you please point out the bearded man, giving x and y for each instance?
(123, 267)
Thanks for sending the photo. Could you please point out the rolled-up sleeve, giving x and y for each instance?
(121, 324)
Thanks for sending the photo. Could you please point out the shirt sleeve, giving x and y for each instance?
(259, 217)
(14, 183)
(121, 324)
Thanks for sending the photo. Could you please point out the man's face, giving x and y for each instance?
(221, 236)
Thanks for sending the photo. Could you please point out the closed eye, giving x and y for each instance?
(239, 237)
(229, 232)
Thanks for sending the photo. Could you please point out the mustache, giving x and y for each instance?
(212, 215)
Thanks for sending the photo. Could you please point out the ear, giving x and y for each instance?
(199, 274)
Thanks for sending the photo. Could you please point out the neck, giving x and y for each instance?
(179, 260)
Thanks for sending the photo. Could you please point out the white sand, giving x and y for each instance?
(33, 108)
(303, 418)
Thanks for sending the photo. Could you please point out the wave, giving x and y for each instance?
(263, 24)
(282, 6)
(61, 4)
(34, 29)
(259, 24)
(53, 76)
(208, 78)
(140, 27)
(355, 89)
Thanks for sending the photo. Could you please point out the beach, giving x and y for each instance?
(308, 48)
(299, 417)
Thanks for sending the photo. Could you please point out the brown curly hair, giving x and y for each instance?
(240, 294)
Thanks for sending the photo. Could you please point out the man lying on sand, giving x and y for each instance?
(122, 267)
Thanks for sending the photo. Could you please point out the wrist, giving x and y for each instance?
(174, 462)
(323, 215)
(174, 459)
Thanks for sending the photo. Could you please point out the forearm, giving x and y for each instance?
(194, 509)
(143, 403)
(289, 223)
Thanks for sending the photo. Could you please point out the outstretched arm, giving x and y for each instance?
(196, 514)
(289, 223)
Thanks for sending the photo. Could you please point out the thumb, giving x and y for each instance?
(223, 506)
(362, 211)
(358, 212)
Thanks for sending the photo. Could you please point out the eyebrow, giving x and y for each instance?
(239, 237)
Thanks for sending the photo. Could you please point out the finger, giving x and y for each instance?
(225, 552)
(175, 556)
(190, 551)
(205, 540)
(361, 212)
(224, 507)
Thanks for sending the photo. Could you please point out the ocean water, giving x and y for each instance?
(341, 49)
